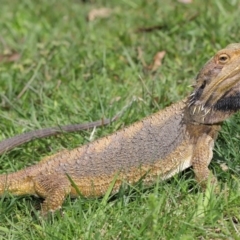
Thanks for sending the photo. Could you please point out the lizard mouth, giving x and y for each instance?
(221, 93)
(222, 87)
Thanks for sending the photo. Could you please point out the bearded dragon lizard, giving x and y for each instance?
(157, 147)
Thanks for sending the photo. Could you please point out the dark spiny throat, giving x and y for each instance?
(229, 103)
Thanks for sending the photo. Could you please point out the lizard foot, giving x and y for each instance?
(53, 188)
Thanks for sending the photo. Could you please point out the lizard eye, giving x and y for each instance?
(223, 58)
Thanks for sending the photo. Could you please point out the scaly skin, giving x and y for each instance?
(156, 147)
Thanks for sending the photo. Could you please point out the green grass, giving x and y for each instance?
(74, 71)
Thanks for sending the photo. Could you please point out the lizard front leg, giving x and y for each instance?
(54, 189)
(202, 155)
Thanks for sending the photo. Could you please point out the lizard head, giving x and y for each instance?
(216, 94)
